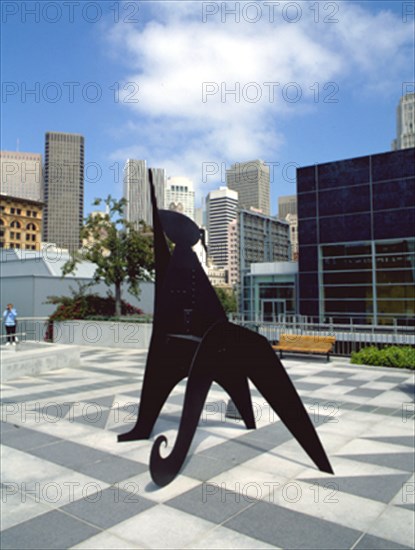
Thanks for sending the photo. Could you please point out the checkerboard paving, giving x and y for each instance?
(68, 483)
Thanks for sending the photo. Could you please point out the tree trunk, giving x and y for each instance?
(117, 299)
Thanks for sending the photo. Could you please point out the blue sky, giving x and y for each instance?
(313, 82)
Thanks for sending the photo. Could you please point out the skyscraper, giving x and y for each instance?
(287, 205)
(252, 182)
(221, 209)
(405, 123)
(63, 189)
(137, 190)
(180, 196)
(21, 175)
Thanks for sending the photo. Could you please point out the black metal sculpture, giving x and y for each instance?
(193, 338)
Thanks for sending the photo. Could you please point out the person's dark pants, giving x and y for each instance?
(11, 331)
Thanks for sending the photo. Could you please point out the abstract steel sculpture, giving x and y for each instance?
(193, 338)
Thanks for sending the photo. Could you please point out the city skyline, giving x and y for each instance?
(129, 93)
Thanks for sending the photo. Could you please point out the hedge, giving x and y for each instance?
(392, 356)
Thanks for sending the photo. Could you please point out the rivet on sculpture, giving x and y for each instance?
(193, 338)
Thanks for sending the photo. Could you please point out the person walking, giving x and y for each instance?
(9, 318)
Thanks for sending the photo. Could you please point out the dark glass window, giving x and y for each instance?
(343, 173)
(348, 292)
(398, 164)
(394, 194)
(307, 231)
(350, 263)
(350, 249)
(355, 227)
(344, 200)
(307, 203)
(306, 179)
(394, 223)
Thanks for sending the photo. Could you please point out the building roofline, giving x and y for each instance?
(6, 196)
(356, 158)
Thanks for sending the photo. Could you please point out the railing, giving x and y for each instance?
(31, 329)
(349, 337)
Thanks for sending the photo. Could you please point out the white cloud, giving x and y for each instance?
(174, 52)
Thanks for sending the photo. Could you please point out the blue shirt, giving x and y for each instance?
(9, 317)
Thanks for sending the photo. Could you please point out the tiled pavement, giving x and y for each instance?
(67, 482)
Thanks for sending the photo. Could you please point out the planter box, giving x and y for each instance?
(29, 359)
(105, 334)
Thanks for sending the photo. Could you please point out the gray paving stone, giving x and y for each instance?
(365, 392)
(268, 437)
(210, 502)
(53, 530)
(105, 401)
(399, 461)
(204, 467)
(365, 408)
(370, 542)
(6, 427)
(69, 454)
(26, 439)
(381, 488)
(334, 373)
(233, 452)
(113, 469)
(384, 410)
(94, 418)
(390, 378)
(350, 382)
(307, 386)
(288, 529)
(112, 506)
(54, 410)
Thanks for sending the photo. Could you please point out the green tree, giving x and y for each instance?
(120, 251)
(227, 298)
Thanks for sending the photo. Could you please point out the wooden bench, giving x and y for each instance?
(305, 344)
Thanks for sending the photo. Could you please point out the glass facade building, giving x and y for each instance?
(356, 239)
(269, 291)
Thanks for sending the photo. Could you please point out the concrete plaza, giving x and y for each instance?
(67, 483)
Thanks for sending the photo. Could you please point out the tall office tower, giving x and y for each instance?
(180, 196)
(200, 216)
(137, 191)
(233, 253)
(405, 123)
(159, 180)
(221, 209)
(252, 182)
(21, 175)
(64, 189)
(287, 205)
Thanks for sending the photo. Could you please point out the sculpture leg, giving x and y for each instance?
(164, 470)
(167, 365)
(271, 379)
(153, 397)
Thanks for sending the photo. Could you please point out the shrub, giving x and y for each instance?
(392, 356)
(87, 307)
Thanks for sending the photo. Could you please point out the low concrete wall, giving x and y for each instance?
(106, 334)
(31, 359)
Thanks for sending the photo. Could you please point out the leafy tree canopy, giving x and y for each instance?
(121, 251)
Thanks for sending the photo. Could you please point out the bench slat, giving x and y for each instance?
(305, 343)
